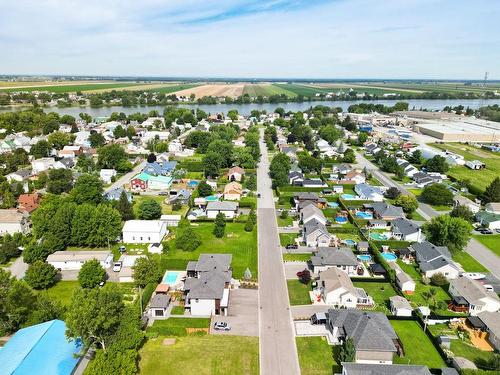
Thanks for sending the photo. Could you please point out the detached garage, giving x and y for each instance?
(159, 305)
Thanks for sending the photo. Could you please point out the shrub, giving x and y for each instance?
(439, 279)
(437, 194)
(41, 275)
(188, 240)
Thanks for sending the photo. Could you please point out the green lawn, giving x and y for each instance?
(468, 262)
(206, 355)
(177, 310)
(285, 222)
(418, 348)
(492, 242)
(63, 291)
(287, 238)
(243, 246)
(166, 209)
(315, 356)
(255, 90)
(296, 257)
(380, 292)
(298, 292)
(177, 326)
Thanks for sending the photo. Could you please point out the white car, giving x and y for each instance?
(117, 266)
(222, 326)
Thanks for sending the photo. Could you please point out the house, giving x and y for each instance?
(459, 200)
(74, 260)
(384, 210)
(158, 305)
(305, 198)
(160, 168)
(312, 212)
(233, 191)
(362, 246)
(70, 151)
(404, 282)
(235, 174)
(355, 177)
(144, 181)
(42, 165)
(295, 178)
(328, 257)
(405, 230)
(20, 175)
(434, 259)
(28, 202)
(378, 369)
(477, 297)
(175, 146)
(155, 248)
(171, 220)
(229, 209)
(313, 183)
(338, 189)
(206, 289)
(13, 221)
(335, 288)
(316, 234)
(375, 341)
(475, 164)
(65, 163)
(488, 220)
(114, 195)
(493, 207)
(144, 231)
(41, 349)
(400, 306)
(491, 321)
(368, 192)
(182, 197)
(107, 175)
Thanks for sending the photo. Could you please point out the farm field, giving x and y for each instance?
(478, 179)
(172, 88)
(84, 87)
(254, 90)
(219, 89)
(374, 90)
(305, 90)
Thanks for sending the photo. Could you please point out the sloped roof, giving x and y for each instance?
(380, 369)
(327, 256)
(210, 285)
(212, 262)
(222, 206)
(472, 290)
(404, 226)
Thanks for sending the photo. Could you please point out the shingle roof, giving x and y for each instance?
(383, 209)
(212, 262)
(160, 301)
(222, 206)
(472, 290)
(327, 256)
(399, 302)
(491, 320)
(210, 285)
(379, 369)
(428, 251)
(404, 226)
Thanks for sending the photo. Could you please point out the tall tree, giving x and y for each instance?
(88, 189)
(40, 275)
(219, 225)
(149, 209)
(492, 192)
(91, 274)
(445, 230)
(124, 206)
(146, 270)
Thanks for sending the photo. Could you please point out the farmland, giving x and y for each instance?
(266, 90)
(220, 89)
(66, 88)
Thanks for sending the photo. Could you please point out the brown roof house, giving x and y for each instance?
(235, 174)
(233, 191)
(29, 202)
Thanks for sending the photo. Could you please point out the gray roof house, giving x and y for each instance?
(434, 259)
(311, 212)
(316, 234)
(368, 192)
(327, 257)
(206, 289)
(379, 369)
(406, 230)
(384, 210)
(492, 322)
(229, 209)
(374, 338)
(158, 305)
(114, 195)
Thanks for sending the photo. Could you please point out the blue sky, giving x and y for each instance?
(449, 39)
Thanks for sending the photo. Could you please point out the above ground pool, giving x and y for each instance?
(364, 215)
(341, 219)
(390, 257)
(170, 278)
(364, 258)
(378, 236)
(348, 196)
(333, 204)
(349, 242)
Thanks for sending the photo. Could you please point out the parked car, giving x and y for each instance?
(291, 246)
(122, 249)
(117, 266)
(487, 231)
(222, 326)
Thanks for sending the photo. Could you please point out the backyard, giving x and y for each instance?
(201, 355)
(315, 356)
(298, 292)
(379, 291)
(492, 242)
(412, 336)
(242, 245)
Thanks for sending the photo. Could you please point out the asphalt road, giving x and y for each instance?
(278, 353)
(125, 179)
(475, 248)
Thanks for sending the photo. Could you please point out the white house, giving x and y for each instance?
(433, 259)
(13, 221)
(477, 297)
(316, 234)
(42, 164)
(459, 200)
(171, 220)
(74, 260)
(405, 230)
(311, 212)
(229, 209)
(368, 192)
(400, 306)
(158, 305)
(175, 146)
(107, 175)
(144, 231)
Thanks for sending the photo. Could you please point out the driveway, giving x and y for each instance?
(18, 268)
(242, 314)
(291, 269)
(305, 311)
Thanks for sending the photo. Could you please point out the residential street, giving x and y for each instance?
(278, 353)
(481, 253)
(125, 179)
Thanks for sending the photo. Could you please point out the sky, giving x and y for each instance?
(388, 39)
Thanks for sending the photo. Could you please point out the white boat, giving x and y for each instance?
(474, 275)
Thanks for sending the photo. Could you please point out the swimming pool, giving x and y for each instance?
(212, 198)
(349, 242)
(341, 219)
(378, 236)
(364, 215)
(364, 258)
(390, 257)
(170, 278)
(348, 196)
(333, 204)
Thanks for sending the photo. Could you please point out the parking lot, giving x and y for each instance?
(243, 314)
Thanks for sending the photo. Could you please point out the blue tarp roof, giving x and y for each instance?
(41, 349)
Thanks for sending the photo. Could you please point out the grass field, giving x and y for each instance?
(173, 88)
(478, 179)
(75, 88)
(166, 209)
(412, 336)
(205, 355)
(254, 90)
(380, 292)
(177, 326)
(492, 242)
(304, 90)
(315, 356)
(243, 246)
(296, 257)
(468, 262)
(298, 292)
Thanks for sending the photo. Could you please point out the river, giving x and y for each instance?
(244, 109)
